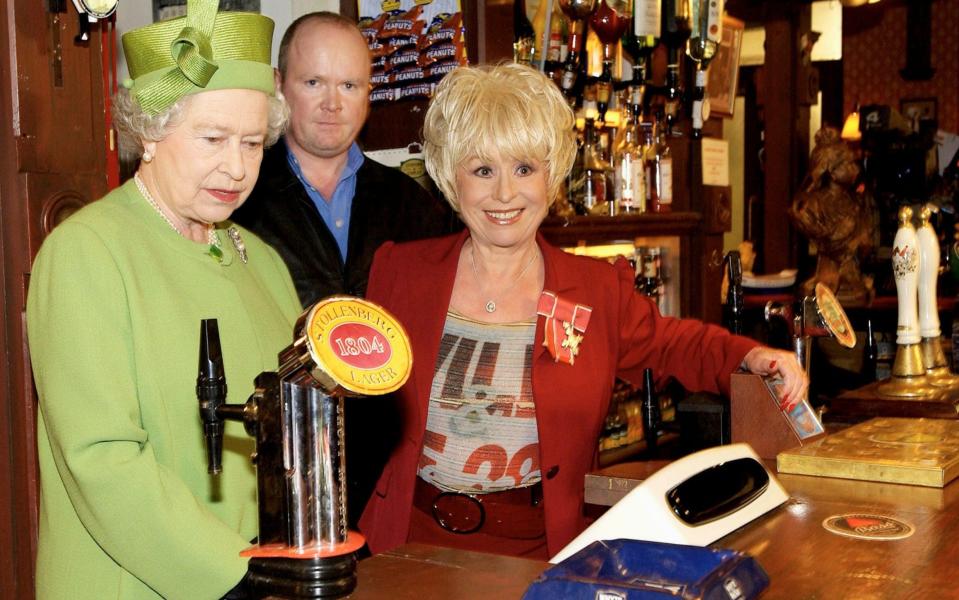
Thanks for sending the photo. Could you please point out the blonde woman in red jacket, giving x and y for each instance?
(517, 343)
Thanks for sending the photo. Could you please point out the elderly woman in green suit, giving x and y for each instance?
(127, 509)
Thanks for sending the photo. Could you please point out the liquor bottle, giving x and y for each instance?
(675, 27)
(674, 94)
(629, 172)
(640, 39)
(595, 172)
(647, 18)
(733, 302)
(706, 18)
(707, 23)
(577, 11)
(604, 90)
(571, 69)
(659, 169)
(609, 22)
(650, 282)
(648, 141)
(675, 32)
(539, 27)
(556, 52)
(524, 36)
(574, 179)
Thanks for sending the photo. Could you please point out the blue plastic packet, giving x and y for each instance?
(636, 570)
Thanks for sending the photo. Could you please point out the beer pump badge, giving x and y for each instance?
(835, 317)
(359, 345)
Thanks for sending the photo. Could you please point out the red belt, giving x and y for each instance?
(515, 513)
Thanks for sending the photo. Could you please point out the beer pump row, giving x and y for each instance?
(920, 369)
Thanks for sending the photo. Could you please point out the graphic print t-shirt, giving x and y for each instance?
(481, 428)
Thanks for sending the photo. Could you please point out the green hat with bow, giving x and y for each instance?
(205, 50)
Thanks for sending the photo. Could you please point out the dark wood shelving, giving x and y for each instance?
(572, 230)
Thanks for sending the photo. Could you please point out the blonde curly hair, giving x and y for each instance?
(507, 110)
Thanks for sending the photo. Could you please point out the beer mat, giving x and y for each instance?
(891, 450)
(868, 527)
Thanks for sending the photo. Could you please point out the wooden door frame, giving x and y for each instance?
(18, 470)
(53, 161)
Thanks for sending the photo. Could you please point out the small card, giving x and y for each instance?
(715, 162)
(802, 418)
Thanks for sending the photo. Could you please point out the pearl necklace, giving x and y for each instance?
(212, 238)
(491, 303)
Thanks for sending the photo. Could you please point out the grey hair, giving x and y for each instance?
(134, 125)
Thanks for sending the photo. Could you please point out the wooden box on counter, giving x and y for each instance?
(757, 420)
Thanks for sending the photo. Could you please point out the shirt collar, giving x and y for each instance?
(354, 160)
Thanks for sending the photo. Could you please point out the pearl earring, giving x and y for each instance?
(147, 156)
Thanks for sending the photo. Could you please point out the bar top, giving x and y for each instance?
(802, 558)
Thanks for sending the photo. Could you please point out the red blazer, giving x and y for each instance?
(626, 334)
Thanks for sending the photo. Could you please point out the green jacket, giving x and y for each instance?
(127, 509)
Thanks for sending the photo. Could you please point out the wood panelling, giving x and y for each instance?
(52, 161)
(786, 127)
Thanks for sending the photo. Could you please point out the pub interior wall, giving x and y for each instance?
(874, 49)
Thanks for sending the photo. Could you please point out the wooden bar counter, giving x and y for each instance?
(419, 572)
(803, 560)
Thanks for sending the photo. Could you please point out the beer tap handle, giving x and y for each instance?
(211, 391)
(733, 306)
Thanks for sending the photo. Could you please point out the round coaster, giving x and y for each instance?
(868, 527)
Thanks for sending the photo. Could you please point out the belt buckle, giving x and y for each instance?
(451, 527)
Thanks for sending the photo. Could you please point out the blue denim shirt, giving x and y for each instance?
(336, 211)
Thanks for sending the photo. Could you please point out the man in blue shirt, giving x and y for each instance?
(324, 206)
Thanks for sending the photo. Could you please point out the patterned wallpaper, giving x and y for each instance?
(874, 50)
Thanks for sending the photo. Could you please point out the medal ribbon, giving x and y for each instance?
(564, 326)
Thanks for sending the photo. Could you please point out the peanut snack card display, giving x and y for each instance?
(413, 44)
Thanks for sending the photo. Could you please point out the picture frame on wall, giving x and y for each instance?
(919, 109)
(723, 75)
(169, 9)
